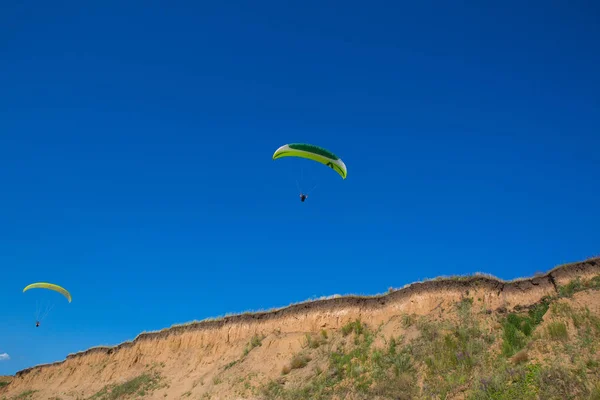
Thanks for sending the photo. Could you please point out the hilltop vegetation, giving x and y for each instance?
(548, 351)
(454, 338)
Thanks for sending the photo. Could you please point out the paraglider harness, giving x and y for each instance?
(303, 197)
(37, 324)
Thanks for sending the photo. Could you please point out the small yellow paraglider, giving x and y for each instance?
(49, 286)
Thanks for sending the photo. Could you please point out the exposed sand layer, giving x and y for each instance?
(196, 358)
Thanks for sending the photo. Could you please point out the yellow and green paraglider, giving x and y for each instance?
(312, 152)
(42, 312)
(315, 153)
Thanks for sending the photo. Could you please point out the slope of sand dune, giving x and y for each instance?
(233, 357)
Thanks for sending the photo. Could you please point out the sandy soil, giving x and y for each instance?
(196, 359)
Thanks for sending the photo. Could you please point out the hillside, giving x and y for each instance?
(449, 338)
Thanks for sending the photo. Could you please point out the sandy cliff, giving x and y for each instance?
(231, 357)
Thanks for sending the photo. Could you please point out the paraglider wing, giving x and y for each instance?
(314, 153)
(50, 286)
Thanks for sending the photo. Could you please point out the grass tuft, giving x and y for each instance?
(354, 326)
(299, 361)
(25, 395)
(140, 385)
(255, 342)
(558, 331)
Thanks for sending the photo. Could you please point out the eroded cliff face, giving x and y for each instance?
(206, 358)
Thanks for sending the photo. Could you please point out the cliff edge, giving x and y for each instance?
(273, 353)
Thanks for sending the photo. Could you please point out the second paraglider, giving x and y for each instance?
(43, 307)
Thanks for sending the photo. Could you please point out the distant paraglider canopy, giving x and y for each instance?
(50, 286)
(42, 307)
(314, 153)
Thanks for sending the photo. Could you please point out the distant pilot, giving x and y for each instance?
(37, 324)
(303, 197)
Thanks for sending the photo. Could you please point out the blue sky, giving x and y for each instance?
(136, 142)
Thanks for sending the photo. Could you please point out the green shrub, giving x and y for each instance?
(354, 326)
(570, 288)
(514, 337)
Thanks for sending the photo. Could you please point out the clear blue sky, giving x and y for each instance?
(136, 141)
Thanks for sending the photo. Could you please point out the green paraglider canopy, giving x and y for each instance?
(312, 152)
